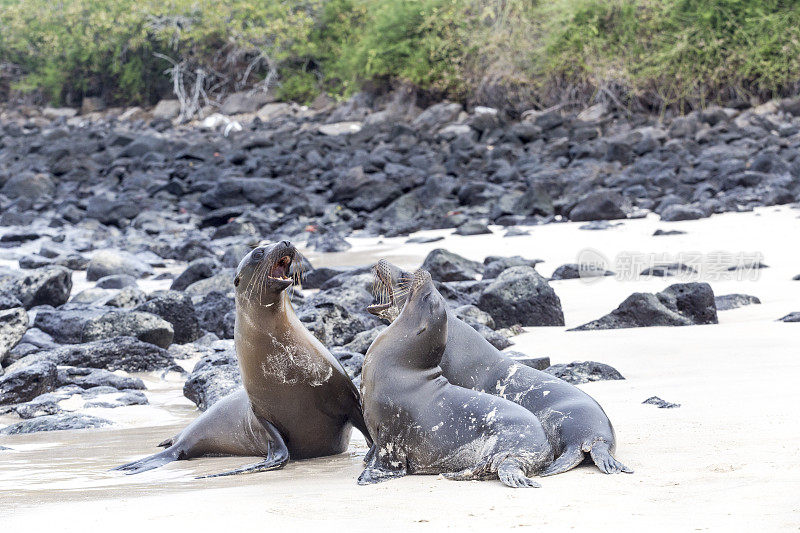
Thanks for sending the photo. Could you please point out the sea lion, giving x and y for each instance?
(297, 401)
(574, 422)
(421, 424)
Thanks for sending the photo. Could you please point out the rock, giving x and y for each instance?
(317, 277)
(603, 205)
(44, 286)
(351, 361)
(340, 128)
(661, 232)
(495, 265)
(113, 262)
(495, 338)
(424, 240)
(221, 283)
(13, 325)
(116, 281)
(599, 225)
(119, 353)
(66, 324)
(25, 383)
(43, 405)
(217, 313)
(92, 104)
(437, 116)
(167, 109)
(472, 228)
(213, 377)
(144, 326)
(28, 185)
(177, 309)
(516, 232)
(682, 212)
(87, 378)
(245, 102)
(732, 301)
(327, 242)
(61, 422)
(791, 317)
(584, 372)
(334, 324)
(682, 304)
(582, 270)
(796, 278)
(121, 400)
(751, 265)
(126, 298)
(539, 363)
(661, 404)
(201, 268)
(474, 316)
(520, 295)
(447, 266)
(362, 341)
(54, 113)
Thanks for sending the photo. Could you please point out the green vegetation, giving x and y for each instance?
(516, 52)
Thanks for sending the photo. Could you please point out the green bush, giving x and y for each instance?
(663, 53)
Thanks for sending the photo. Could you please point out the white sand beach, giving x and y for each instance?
(726, 460)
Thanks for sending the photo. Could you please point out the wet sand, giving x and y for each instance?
(727, 459)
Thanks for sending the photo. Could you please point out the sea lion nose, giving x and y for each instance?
(287, 244)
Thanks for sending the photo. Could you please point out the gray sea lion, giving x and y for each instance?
(421, 424)
(574, 422)
(297, 401)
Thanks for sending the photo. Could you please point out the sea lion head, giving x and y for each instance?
(388, 290)
(424, 312)
(266, 271)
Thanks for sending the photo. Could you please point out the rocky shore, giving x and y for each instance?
(153, 216)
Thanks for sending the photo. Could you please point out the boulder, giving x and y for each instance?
(682, 212)
(726, 302)
(661, 404)
(60, 422)
(495, 265)
(576, 271)
(350, 360)
(177, 309)
(28, 185)
(583, 372)
(603, 205)
(13, 325)
(538, 363)
(201, 268)
(44, 286)
(24, 383)
(521, 296)
(791, 317)
(437, 116)
(213, 377)
(447, 266)
(144, 326)
(87, 378)
(112, 262)
(217, 313)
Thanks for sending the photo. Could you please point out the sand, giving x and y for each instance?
(727, 459)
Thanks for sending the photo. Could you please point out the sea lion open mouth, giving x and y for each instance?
(280, 270)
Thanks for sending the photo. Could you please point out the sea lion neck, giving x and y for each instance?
(266, 317)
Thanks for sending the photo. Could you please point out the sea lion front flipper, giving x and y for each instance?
(277, 455)
(569, 459)
(381, 468)
(512, 475)
(601, 455)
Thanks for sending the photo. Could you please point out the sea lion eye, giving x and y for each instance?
(258, 254)
(236, 281)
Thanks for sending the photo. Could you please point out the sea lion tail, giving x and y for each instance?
(569, 459)
(151, 462)
(601, 455)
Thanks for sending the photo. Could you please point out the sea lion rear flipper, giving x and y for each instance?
(512, 475)
(601, 455)
(166, 443)
(149, 463)
(277, 454)
(380, 467)
(569, 459)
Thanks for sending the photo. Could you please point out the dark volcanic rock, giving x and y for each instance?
(583, 372)
(213, 377)
(144, 326)
(603, 205)
(27, 382)
(682, 304)
(362, 341)
(472, 228)
(351, 361)
(447, 266)
(732, 301)
(521, 296)
(87, 378)
(576, 271)
(661, 404)
(116, 281)
(672, 269)
(111, 262)
(177, 309)
(682, 212)
(791, 317)
(198, 269)
(44, 286)
(661, 232)
(13, 325)
(66, 324)
(119, 353)
(327, 241)
(217, 313)
(494, 265)
(59, 422)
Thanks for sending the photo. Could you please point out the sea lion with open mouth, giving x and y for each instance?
(574, 422)
(297, 401)
(421, 424)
